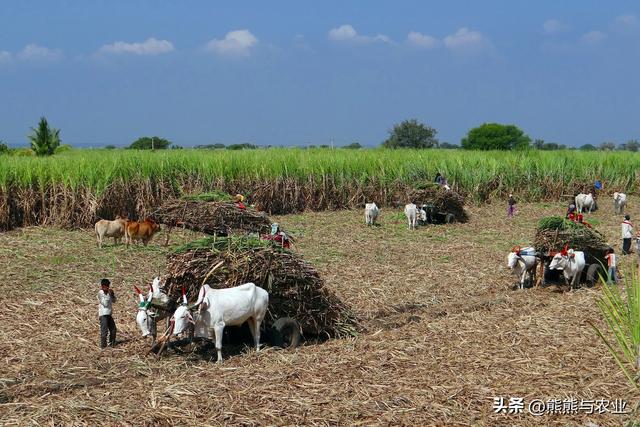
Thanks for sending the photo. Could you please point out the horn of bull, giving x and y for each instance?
(139, 292)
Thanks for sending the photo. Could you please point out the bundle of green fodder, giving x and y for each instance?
(554, 232)
(295, 287)
(447, 201)
(212, 217)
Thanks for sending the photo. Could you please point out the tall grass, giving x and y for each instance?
(530, 174)
(622, 316)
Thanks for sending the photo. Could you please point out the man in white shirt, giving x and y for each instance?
(106, 298)
(627, 234)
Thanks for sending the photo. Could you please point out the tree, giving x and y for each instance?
(44, 140)
(110, 147)
(243, 146)
(607, 146)
(448, 145)
(209, 146)
(631, 145)
(538, 144)
(150, 143)
(495, 136)
(588, 147)
(4, 148)
(353, 146)
(411, 134)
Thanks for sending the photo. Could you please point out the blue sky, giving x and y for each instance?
(303, 72)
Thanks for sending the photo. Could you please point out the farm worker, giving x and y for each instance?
(638, 246)
(511, 209)
(570, 210)
(627, 234)
(612, 263)
(238, 199)
(438, 179)
(106, 298)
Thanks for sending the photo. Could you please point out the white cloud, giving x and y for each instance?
(5, 57)
(553, 26)
(625, 23)
(343, 32)
(593, 37)
(151, 46)
(235, 43)
(33, 52)
(346, 33)
(466, 40)
(417, 39)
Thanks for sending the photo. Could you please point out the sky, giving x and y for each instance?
(307, 72)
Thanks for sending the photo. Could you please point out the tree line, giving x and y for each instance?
(488, 136)
(45, 140)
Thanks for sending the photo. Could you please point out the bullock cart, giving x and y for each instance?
(212, 217)
(300, 306)
(442, 206)
(555, 234)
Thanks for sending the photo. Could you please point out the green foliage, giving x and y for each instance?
(588, 147)
(110, 147)
(353, 146)
(4, 148)
(495, 136)
(213, 196)
(231, 243)
(532, 174)
(210, 147)
(622, 317)
(448, 146)
(63, 148)
(244, 146)
(150, 143)
(411, 134)
(556, 223)
(44, 140)
(177, 147)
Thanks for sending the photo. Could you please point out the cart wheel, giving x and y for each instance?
(593, 275)
(286, 333)
(449, 218)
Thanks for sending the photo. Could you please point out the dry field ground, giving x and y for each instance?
(445, 333)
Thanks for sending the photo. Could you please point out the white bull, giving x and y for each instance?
(585, 202)
(522, 263)
(411, 212)
(571, 265)
(371, 212)
(224, 307)
(105, 228)
(619, 202)
(145, 314)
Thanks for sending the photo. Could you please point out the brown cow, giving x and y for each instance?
(105, 228)
(141, 231)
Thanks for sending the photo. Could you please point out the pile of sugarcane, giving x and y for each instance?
(295, 288)
(445, 201)
(212, 217)
(554, 233)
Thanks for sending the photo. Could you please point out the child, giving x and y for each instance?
(627, 234)
(511, 210)
(612, 264)
(106, 298)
